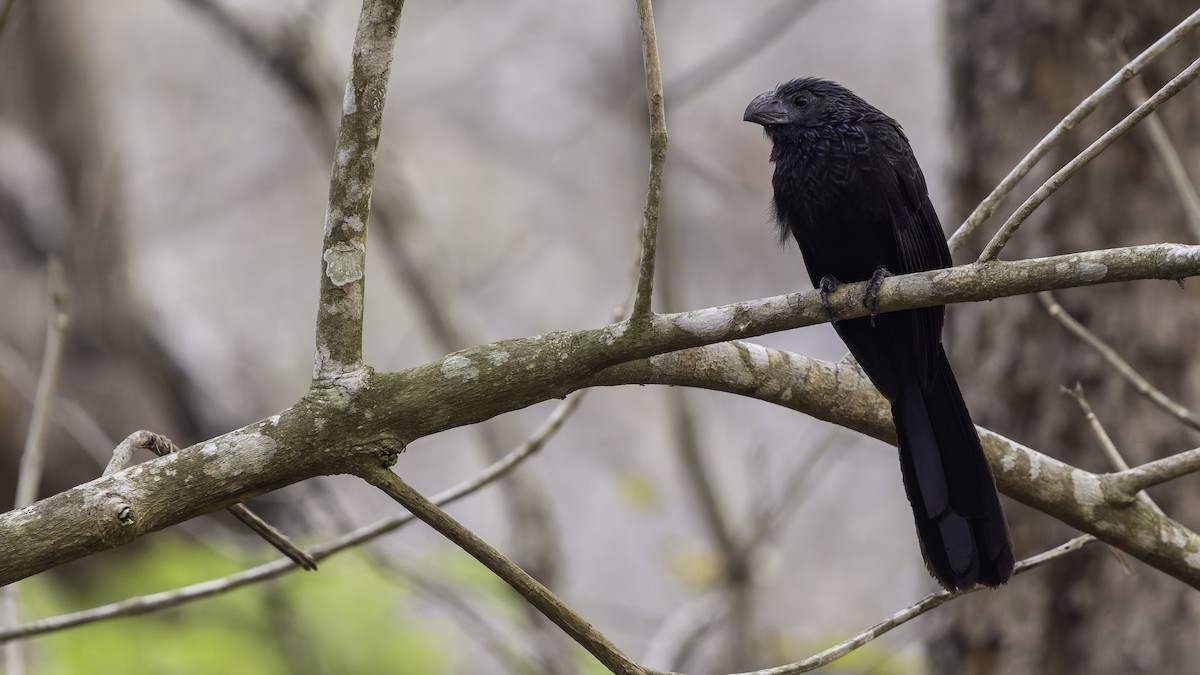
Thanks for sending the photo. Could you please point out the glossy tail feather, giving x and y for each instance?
(964, 537)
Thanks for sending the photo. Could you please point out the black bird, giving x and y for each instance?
(849, 190)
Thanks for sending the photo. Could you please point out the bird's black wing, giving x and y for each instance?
(920, 243)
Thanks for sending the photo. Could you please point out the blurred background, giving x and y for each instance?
(175, 156)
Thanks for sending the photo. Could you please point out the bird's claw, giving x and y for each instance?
(871, 296)
(829, 284)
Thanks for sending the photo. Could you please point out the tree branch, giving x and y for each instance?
(529, 588)
(180, 596)
(1098, 146)
(929, 602)
(1106, 442)
(343, 257)
(658, 155)
(1113, 359)
(29, 475)
(1157, 472)
(988, 206)
(335, 425)
(1167, 152)
(1094, 503)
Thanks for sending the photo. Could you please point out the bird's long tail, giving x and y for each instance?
(961, 526)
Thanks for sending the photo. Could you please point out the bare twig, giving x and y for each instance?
(658, 155)
(678, 633)
(1167, 152)
(929, 602)
(1158, 472)
(1106, 442)
(791, 494)
(1110, 356)
(29, 476)
(180, 596)
(1061, 176)
(69, 415)
(288, 60)
(529, 588)
(343, 258)
(988, 206)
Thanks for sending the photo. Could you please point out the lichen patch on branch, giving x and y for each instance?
(344, 262)
(457, 367)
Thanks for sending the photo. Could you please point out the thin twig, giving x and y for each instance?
(29, 476)
(287, 60)
(931, 601)
(1159, 471)
(988, 206)
(1110, 356)
(344, 250)
(792, 493)
(658, 155)
(1064, 174)
(180, 596)
(1106, 441)
(1167, 152)
(677, 634)
(529, 588)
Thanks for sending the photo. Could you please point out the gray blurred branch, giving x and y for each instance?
(768, 27)
(29, 476)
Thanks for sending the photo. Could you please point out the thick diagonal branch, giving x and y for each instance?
(330, 429)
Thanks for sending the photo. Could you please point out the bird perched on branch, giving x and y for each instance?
(850, 192)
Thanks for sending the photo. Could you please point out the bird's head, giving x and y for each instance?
(806, 102)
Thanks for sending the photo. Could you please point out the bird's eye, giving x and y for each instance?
(801, 101)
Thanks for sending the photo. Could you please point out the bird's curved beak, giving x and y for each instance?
(766, 109)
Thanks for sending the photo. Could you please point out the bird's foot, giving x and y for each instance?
(829, 284)
(871, 296)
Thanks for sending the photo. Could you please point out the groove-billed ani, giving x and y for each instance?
(849, 190)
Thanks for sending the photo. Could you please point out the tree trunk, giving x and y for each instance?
(1018, 67)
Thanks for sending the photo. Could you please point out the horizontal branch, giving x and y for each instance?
(329, 430)
(1098, 504)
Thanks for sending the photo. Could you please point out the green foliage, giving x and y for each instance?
(342, 619)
